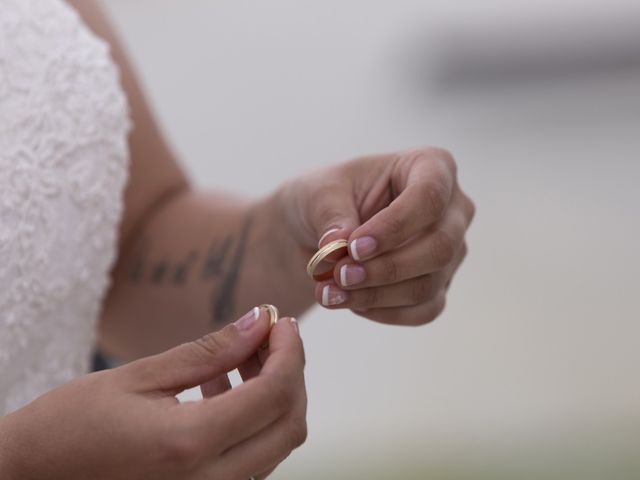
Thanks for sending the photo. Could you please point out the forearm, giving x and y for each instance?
(198, 262)
(9, 459)
(7, 470)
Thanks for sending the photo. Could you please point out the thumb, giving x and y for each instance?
(196, 362)
(333, 214)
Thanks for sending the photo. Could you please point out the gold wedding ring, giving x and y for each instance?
(320, 267)
(273, 314)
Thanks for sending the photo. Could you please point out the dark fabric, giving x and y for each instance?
(99, 362)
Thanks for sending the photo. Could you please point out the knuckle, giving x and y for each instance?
(436, 309)
(320, 207)
(181, 448)
(395, 226)
(212, 344)
(297, 432)
(325, 211)
(389, 269)
(435, 197)
(441, 303)
(448, 159)
(470, 207)
(421, 290)
(369, 297)
(443, 248)
(465, 251)
(381, 316)
(438, 154)
(423, 319)
(414, 155)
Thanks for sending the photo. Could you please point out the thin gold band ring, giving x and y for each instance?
(274, 315)
(320, 257)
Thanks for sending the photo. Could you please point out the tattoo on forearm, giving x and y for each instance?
(223, 300)
(215, 259)
(223, 262)
(159, 272)
(137, 269)
(181, 273)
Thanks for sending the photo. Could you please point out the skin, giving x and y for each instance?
(127, 424)
(189, 262)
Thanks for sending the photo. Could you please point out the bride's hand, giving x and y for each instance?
(126, 423)
(405, 217)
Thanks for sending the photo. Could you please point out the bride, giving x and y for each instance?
(103, 239)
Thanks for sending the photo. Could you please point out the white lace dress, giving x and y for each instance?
(63, 165)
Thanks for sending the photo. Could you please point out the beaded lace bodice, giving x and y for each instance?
(63, 166)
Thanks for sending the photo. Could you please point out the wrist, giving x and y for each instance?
(280, 251)
(276, 237)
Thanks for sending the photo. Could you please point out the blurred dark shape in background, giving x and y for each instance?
(493, 56)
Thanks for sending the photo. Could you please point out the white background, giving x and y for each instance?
(533, 369)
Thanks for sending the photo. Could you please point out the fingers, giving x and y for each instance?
(215, 386)
(409, 316)
(425, 180)
(260, 454)
(286, 352)
(463, 254)
(234, 416)
(251, 367)
(408, 293)
(248, 370)
(428, 253)
(268, 448)
(197, 362)
(331, 210)
(263, 475)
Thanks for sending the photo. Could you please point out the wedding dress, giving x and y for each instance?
(63, 166)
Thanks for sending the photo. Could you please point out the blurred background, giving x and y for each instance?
(533, 371)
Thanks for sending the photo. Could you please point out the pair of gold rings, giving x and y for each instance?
(320, 268)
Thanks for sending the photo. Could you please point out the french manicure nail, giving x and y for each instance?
(248, 320)
(351, 274)
(362, 248)
(326, 234)
(332, 296)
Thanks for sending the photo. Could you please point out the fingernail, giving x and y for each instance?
(248, 320)
(326, 234)
(333, 296)
(294, 324)
(363, 247)
(351, 274)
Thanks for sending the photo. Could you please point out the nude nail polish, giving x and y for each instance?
(363, 247)
(351, 274)
(332, 296)
(248, 320)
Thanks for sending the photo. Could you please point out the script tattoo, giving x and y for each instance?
(137, 268)
(181, 273)
(215, 260)
(221, 264)
(159, 272)
(223, 299)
